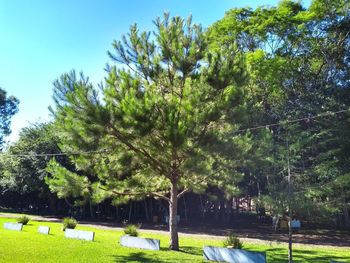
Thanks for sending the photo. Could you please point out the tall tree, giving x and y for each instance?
(166, 116)
(24, 162)
(8, 107)
(298, 67)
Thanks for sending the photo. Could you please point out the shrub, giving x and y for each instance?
(23, 220)
(232, 241)
(69, 222)
(131, 230)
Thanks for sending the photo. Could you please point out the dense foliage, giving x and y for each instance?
(298, 66)
(69, 223)
(23, 167)
(165, 118)
(232, 241)
(23, 220)
(131, 230)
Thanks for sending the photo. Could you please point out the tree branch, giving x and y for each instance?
(154, 162)
(141, 193)
(138, 193)
(183, 192)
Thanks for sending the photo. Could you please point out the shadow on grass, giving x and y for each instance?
(192, 250)
(280, 255)
(197, 251)
(315, 256)
(136, 256)
(174, 256)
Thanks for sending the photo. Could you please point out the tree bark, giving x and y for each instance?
(174, 238)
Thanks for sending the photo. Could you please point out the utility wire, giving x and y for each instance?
(325, 114)
(329, 113)
(54, 154)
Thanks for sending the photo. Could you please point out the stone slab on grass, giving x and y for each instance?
(231, 255)
(138, 242)
(44, 230)
(79, 234)
(13, 226)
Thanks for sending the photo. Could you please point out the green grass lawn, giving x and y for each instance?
(30, 246)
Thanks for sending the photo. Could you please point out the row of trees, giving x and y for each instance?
(256, 103)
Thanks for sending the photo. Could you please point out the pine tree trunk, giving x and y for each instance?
(174, 238)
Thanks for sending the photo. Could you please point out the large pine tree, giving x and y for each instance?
(165, 118)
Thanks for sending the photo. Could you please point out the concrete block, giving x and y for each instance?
(138, 242)
(44, 230)
(79, 234)
(13, 226)
(221, 254)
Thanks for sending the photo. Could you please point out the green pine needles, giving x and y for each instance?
(166, 116)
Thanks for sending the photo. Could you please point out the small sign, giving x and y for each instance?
(296, 224)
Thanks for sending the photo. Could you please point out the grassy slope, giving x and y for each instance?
(30, 246)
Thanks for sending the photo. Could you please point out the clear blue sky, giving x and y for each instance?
(40, 40)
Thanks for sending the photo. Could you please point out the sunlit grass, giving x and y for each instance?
(30, 246)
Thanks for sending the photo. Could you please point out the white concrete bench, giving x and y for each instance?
(13, 226)
(138, 242)
(44, 230)
(221, 254)
(79, 234)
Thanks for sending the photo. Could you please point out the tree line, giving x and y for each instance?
(256, 105)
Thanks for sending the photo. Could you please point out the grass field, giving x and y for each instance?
(30, 246)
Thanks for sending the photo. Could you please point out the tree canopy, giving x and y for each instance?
(166, 116)
(298, 71)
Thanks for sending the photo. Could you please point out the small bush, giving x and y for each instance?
(232, 241)
(69, 222)
(23, 220)
(131, 230)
